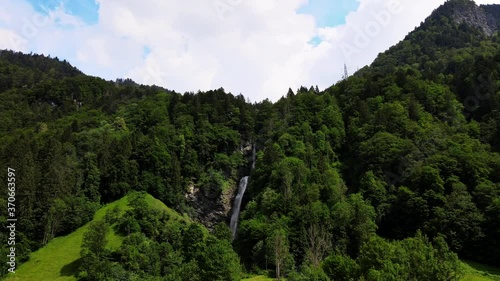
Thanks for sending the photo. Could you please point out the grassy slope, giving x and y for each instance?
(58, 260)
(478, 272)
(473, 272)
(259, 278)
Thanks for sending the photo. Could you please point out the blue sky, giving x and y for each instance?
(87, 10)
(328, 13)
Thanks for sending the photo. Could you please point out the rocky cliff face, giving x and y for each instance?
(466, 11)
(213, 207)
(494, 11)
(210, 209)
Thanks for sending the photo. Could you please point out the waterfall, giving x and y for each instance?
(237, 204)
(239, 197)
(253, 157)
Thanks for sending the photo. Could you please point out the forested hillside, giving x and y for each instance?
(390, 174)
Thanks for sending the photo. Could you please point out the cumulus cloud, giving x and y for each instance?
(258, 48)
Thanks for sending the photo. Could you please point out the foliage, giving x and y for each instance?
(349, 182)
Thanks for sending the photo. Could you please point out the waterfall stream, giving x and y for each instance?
(237, 204)
(239, 197)
(253, 157)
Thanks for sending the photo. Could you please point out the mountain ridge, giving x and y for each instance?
(467, 11)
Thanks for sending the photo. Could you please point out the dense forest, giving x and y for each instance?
(392, 173)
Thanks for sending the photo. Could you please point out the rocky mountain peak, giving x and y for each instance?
(468, 12)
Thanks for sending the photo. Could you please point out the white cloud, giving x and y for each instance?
(255, 47)
(11, 40)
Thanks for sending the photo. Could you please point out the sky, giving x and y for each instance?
(258, 48)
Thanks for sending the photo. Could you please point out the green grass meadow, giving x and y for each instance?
(259, 278)
(479, 272)
(59, 259)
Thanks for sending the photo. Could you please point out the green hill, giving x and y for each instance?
(479, 272)
(59, 259)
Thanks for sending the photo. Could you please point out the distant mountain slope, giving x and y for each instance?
(427, 92)
(493, 10)
(457, 24)
(43, 66)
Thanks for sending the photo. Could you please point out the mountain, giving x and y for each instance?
(457, 24)
(390, 174)
(468, 13)
(494, 11)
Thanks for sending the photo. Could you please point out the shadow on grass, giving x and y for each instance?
(71, 268)
(483, 267)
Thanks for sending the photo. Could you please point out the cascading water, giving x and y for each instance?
(253, 157)
(239, 197)
(237, 204)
